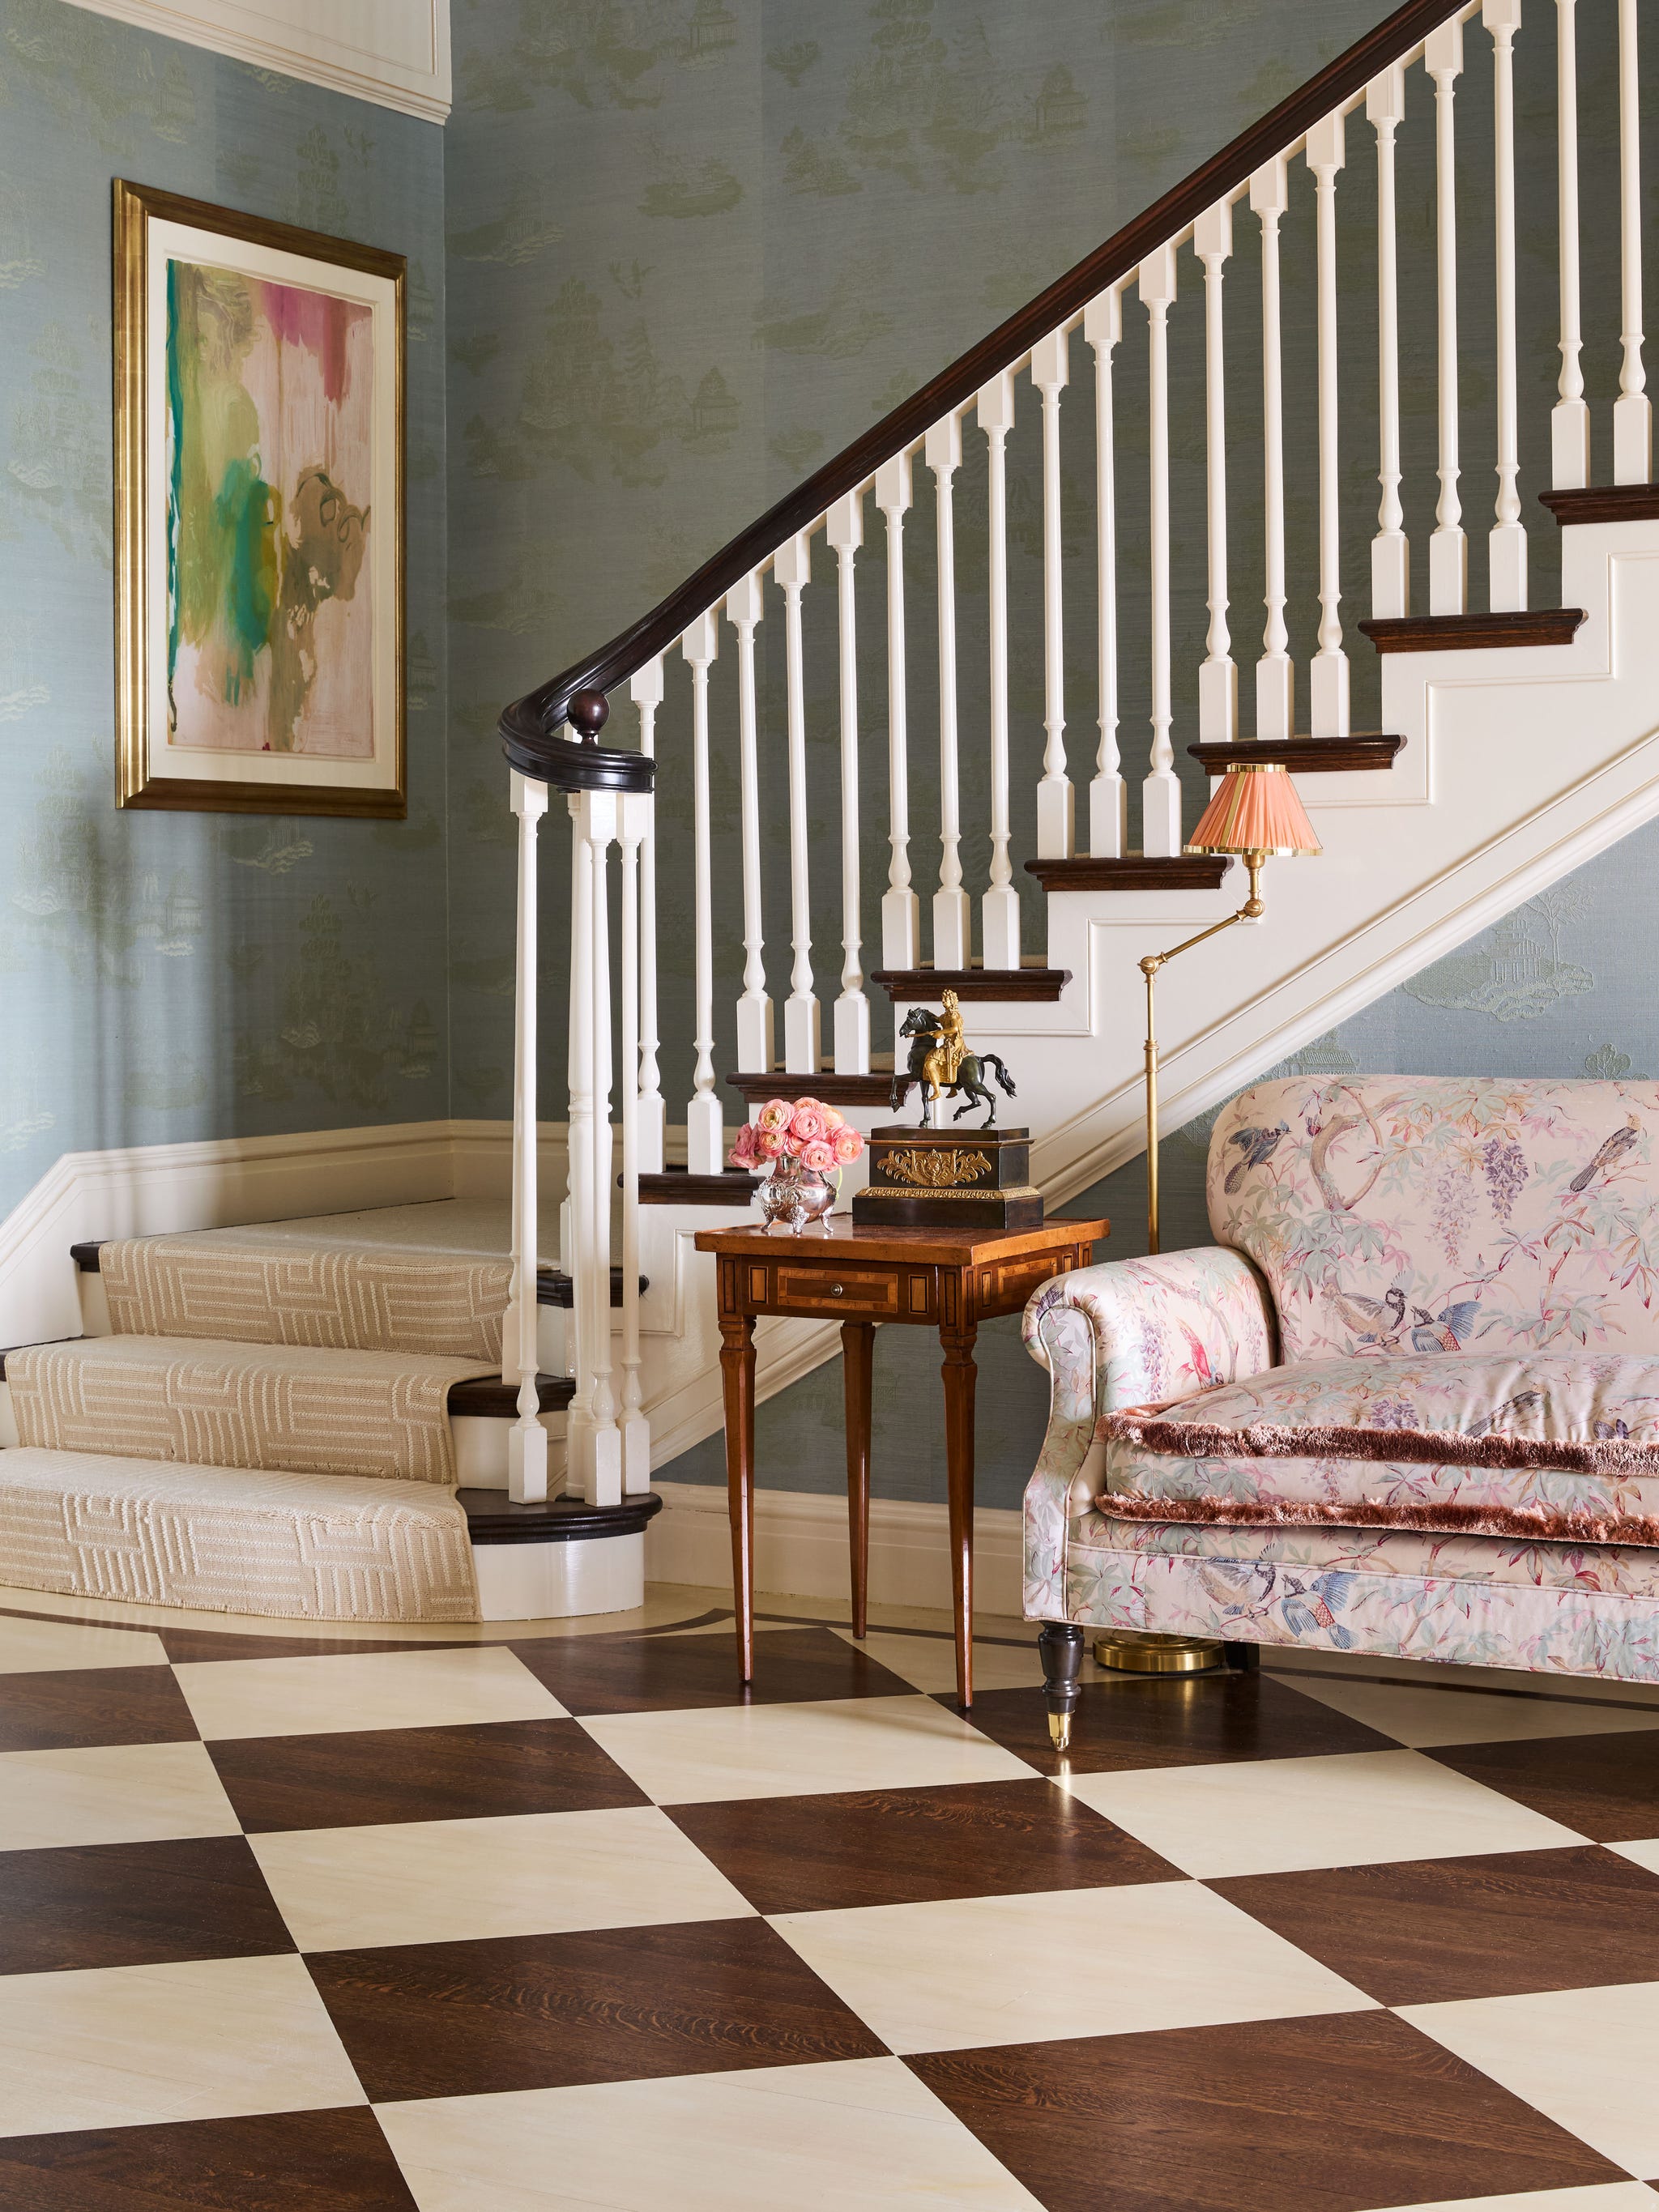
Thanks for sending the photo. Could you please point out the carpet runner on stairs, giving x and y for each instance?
(310, 1547)
(292, 1407)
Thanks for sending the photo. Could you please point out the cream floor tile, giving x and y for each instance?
(377, 1690)
(528, 1874)
(33, 1647)
(1426, 1716)
(664, 1602)
(983, 1970)
(863, 2136)
(1278, 1815)
(127, 1793)
(1645, 1853)
(929, 1663)
(1604, 2197)
(793, 1751)
(124, 2046)
(1585, 2058)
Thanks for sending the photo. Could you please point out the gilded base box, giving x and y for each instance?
(949, 1179)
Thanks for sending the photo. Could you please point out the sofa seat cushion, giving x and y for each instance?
(1551, 1447)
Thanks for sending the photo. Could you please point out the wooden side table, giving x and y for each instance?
(947, 1278)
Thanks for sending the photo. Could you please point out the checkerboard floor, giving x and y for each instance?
(554, 1924)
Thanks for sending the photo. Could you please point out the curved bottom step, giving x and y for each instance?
(558, 1560)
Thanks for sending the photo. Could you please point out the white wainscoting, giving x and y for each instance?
(392, 51)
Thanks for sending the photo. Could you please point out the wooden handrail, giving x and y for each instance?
(529, 726)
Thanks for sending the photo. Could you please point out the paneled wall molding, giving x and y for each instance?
(393, 51)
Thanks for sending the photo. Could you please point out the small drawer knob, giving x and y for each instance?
(834, 1289)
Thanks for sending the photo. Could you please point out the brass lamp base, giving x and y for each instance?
(1130, 1651)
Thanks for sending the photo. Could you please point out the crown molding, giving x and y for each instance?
(395, 53)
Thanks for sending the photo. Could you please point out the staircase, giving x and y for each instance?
(1179, 427)
(302, 1418)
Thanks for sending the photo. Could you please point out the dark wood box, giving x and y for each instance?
(949, 1179)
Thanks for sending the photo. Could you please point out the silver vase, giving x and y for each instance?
(795, 1195)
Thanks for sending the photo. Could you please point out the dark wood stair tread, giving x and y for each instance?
(1444, 633)
(676, 1187)
(906, 985)
(493, 1518)
(875, 1089)
(1636, 502)
(488, 1397)
(1366, 749)
(1133, 872)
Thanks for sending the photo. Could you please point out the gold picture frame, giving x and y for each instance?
(260, 611)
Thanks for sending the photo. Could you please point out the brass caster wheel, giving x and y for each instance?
(1059, 1731)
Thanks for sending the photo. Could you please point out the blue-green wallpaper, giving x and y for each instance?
(172, 977)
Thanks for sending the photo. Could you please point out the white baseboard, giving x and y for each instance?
(800, 1547)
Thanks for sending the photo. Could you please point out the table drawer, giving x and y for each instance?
(837, 1290)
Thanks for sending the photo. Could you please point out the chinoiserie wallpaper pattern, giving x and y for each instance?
(169, 976)
(666, 257)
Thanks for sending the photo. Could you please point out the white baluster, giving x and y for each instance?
(1507, 555)
(1328, 678)
(943, 453)
(901, 918)
(1385, 109)
(646, 691)
(1449, 552)
(634, 813)
(1217, 678)
(704, 1152)
(1632, 411)
(1275, 678)
(602, 1463)
(579, 1206)
(1108, 794)
(845, 531)
(1569, 433)
(1000, 908)
(1056, 826)
(1160, 794)
(743, 608)
(792, 566)
(527, 1444)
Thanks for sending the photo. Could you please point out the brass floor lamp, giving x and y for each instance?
(1257, 813)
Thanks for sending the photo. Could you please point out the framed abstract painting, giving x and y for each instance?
(259, 513)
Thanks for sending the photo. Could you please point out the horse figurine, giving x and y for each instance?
(941, 1063)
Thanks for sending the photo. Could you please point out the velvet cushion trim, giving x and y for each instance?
(1445, 1518)
(1152, 1430)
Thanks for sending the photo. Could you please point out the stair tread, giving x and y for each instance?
(983, 984)
(1631, 503)
(1308, 756)
(1469, 633)
(553, 1285)
(1133, 872)
(492, 1517)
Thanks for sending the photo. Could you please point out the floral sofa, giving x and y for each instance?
(1407, 1403)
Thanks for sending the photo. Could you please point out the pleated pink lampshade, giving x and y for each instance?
(1256, 809)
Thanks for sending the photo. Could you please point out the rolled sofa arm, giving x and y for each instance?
(1129, 1333)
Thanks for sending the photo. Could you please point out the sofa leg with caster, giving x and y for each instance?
(1243, 1658)
(1061, 1645)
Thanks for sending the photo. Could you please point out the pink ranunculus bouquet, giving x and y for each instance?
(820, 1138)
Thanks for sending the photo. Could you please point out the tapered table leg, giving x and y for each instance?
(857, 1343)
(960, 1375)
(738, 1378)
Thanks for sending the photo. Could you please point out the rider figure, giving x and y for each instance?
(952, 1046)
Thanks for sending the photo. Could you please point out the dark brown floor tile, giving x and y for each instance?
(658, 1674)
(1430, 1930)
(450, 2019)
(462, 1773)
(86, 1706)
(195, 1645)
(1336, 2114)
(134, 1904)
(906, 1846)
(1157, 1722)
(333, 2162)
(1603, 1786)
